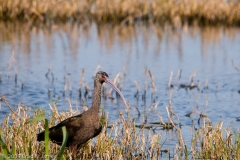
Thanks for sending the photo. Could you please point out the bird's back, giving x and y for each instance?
(80, 129)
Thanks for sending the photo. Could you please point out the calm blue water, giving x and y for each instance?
(67, 49)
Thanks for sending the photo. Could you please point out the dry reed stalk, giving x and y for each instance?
(206, 84)
(138, 88)
(179, 75)
(49, 71)
(12, 62)
(235, 66)
(192, 77)
(170, 80)
(181, 144)
(220, 85)
(201, 112)
(152, 79)
(161, 119)
(64, 89)
(4, 99)
(119, 83)
(199, 85)
(81, 83)
(97, 69)
(70, 86)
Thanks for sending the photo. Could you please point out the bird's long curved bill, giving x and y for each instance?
(108, 81)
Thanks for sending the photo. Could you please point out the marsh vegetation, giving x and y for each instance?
(126, 11)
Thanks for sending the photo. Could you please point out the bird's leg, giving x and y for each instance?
(73, 149)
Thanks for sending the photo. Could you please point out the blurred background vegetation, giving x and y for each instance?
(225, 12)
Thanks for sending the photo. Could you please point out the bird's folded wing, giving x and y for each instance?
(72, 124)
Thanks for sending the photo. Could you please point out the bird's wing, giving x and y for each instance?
(75, 121)
(72, 124)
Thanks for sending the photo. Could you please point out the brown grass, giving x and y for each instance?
(122, 139)
(175, 11)
(19, 136)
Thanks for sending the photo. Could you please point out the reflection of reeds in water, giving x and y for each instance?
(20, 35)
(124, 11)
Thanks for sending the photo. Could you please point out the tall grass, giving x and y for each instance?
(119, 140)
(175, 11)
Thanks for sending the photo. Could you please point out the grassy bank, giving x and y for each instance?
(120, 140)
(124, 11)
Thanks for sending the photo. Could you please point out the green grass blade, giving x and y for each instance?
(4, 147)
(30, 148)
(46, 137)
(186, 152)
(36, 119)
(65, 137)
(13, 149)
(22, 151)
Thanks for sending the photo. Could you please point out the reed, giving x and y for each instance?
(119, 140)
(216, 142)
(124, 11)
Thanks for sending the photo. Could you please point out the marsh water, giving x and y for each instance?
(44, 63)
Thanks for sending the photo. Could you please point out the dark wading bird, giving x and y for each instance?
(85, 126)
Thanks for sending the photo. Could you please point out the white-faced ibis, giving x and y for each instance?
(85, 126)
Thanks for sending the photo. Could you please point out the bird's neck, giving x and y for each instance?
(97, 96)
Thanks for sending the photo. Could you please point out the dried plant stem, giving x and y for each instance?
(235, 67)
(170, 79)
(4, 99)
(97, 69)
(82, 79)
(153, 83)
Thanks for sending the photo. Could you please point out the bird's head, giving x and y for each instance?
(101, 76)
